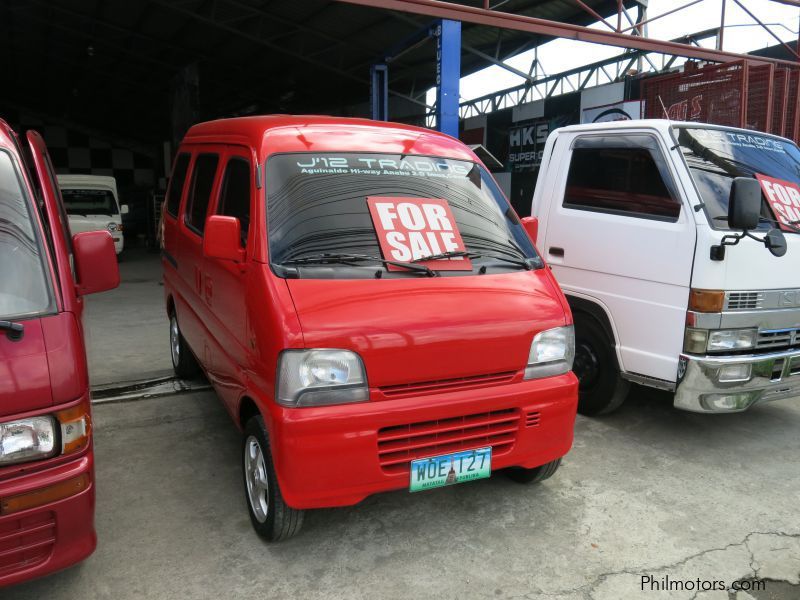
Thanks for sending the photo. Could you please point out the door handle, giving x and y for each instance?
(555, 251)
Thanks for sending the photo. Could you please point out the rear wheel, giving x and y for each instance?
(272, 519)
(602, 389)
(183, 361)
(521, 475)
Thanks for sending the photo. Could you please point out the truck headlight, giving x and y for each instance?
(320, 377)
(28, 439)
(112, 227)
(552, 353)
(699, 341)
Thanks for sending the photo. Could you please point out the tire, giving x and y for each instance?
(521, 475)
(183, 361)
(272, 519)
(602, 389)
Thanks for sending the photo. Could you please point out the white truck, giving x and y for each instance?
(677, 245)
(92, 204)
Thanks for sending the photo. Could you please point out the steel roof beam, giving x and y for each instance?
(533, 25)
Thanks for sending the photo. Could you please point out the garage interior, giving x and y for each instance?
(114, 85)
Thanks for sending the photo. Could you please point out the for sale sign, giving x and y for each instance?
(784, 198)
(412, 228)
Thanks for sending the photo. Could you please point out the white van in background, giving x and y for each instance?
(92, 204)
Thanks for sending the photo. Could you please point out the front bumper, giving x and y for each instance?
(41, 540)
(329, 456)
(773, 376)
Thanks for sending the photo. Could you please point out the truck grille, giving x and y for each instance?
(26, 542)
(778, 340)
(400, 444)
(744, 301)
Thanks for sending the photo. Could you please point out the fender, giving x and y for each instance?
(596, 309)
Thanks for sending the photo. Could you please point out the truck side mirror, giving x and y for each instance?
(775, 242)
(96, 265)
(531, 225)
(124, 210)
(222, 239)
(744, 204)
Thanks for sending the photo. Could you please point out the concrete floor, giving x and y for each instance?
(127, 332)
(645, 491)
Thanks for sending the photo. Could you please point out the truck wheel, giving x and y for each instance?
(183, 361)
(601, 389)
(521, 475)
(272, 519)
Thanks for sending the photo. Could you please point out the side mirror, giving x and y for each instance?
(95, 262)
(744, 204)
(531, 225)
(124, 209)
(775, 242)
(222, 239)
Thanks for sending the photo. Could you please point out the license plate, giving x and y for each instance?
(449, 469)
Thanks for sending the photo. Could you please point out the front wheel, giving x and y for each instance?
(272, 519)
(521, 475)
(601, 388)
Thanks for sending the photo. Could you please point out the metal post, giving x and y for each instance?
(448, 74)
(721, 33)
(379, 91)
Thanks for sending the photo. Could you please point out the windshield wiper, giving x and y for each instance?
(13, 330)
(349, 259)
(526, 263)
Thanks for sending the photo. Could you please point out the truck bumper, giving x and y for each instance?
(726, 384)
(52, 536)
(339, 455)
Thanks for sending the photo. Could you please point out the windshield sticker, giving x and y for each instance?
(412, 228)
(736, 139)
(418, 166)
(784, 199)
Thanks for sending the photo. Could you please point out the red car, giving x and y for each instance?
(46, 458)
(369, 308)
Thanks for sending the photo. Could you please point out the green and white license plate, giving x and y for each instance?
(449, 469)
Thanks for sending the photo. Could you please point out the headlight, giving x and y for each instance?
(320, 377)
(552, 353)
(27, 439)
(699, 341)
(112, 227)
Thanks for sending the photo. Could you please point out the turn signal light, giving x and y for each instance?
(706, 301)
(76, 428)
(40, 497)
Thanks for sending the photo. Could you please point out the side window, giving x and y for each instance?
(627, 177)
(234, 199)
(205, 168)
(176, 183)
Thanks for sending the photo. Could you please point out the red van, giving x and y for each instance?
(46, 459)
(369, 308)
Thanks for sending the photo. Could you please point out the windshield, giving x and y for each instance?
(716, 156)
(89, 202)
(318, 204)
(24, 290)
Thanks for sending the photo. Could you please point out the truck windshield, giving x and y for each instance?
(24, 289)
(317, 205)
(716, 156)
(89, 202)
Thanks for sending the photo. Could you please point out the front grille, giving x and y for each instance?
(532, 419)
(400, 444)
(744, 301)
(446, 385)
(26, 542)
(778, 340)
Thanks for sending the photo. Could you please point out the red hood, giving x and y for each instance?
(424, 329)
(46, 367)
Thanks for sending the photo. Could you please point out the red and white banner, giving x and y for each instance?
(412, 228)
(784, 198)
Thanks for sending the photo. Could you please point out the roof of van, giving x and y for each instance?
(92, 181)
(304, 132)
